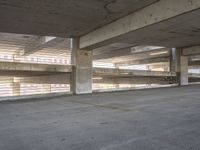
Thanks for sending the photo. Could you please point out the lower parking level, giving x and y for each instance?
(153, 119)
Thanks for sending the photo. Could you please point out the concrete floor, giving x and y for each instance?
(156, 119)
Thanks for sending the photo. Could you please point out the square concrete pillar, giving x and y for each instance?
(179, 64)
(174, 60)
(81, 76)
(183, 70)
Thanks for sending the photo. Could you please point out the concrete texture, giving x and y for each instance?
(165, 15)
(66, 18)
(183, 70)
(155, 119)
(81, 77)
(34, 97)
(10, 68)
(138, 80)
(129, 53)
(18, 66)
(129, 72)
(195, 50)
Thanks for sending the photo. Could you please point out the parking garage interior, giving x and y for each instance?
(99, 75)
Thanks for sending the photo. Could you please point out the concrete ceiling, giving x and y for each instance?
(63, 18)
(26, 73)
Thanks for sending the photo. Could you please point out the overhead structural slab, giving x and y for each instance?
(165, 23)
(63, 18)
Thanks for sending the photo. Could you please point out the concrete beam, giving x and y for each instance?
(194, 75)
(193, 80)
(16, 66)
(131, 52)
(195, 50)
(130, 73)
(144, 61)
(40, 43)
(136, 80)
(46, 79)
(194, 57)
(153, 14)
(194, 63)
(65, 79)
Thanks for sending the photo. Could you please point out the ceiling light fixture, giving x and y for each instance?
(97, 78)
(62, 54)
(159, 53)
(195, 59)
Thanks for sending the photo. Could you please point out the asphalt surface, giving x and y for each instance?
(153, 119)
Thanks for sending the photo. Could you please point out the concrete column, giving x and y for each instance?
(179, 64)
(183, 70)
(174, 60)
(81, 77)
(15, 88)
